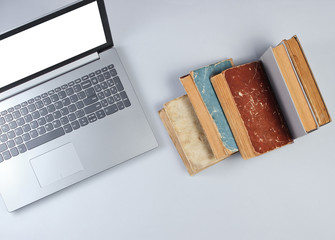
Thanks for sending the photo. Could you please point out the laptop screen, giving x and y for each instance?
(50, 43)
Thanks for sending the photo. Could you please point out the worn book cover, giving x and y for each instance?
(189, 138)
(251, 109)
(207, 107)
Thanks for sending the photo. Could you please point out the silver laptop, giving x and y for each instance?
(67, 110)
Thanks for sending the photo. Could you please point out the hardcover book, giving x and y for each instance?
(184, 128)
(251, 109)
(207, 107)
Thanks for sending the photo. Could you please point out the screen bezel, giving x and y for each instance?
(105, 24)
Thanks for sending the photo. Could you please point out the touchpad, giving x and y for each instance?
(56, 164)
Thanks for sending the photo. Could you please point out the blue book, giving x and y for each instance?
(208, 109)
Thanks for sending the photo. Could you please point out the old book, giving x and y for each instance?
(251, 109)
(296, 91)
(307, 80)
(184, 128)
(207, 107)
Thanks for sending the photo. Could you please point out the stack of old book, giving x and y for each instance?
(252, 108)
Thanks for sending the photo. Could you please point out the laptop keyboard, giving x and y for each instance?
(60, 111)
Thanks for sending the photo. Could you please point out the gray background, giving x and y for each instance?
(284, 194)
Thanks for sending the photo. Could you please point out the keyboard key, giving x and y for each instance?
(16, 107)
(104, 103)
(72, 108)
(101, 95)
(33, 133)
(83, 121)
(80, 105)
(107, 75)
(64, 120)
(24, 104)
(22, 148)
(113, 90)
(71, 84)
(90, 92)
(43, 111)
(31, 101)
(97, 72)
(104, 85)
(37, 98)
(90, 100)
(39, 104)
(2, 121)
(125, 99)
(77, 80)
(49, 127)
(56, 123)
(9, 117)
(26, 128)
(111, 66)
(24, 111)
(107, 92)
(34, 124)
(57, 114)
(51, 92)
(3, 147)
(45, 138)
(69, 91)
(77, 88)
(118, 83)
(54, 98)
(16, 114)
(94, 80)
(44, 95)
(97, 88)
(18, 131)
(58, 105)
(12, 125)
(49, 118)
(104, 69)
(91, 117)
(31, 107)
(62, 94)
(41, 130)
(80, 113)
(41, 121)
(20, 121)
(68, 128)
(117, 97)
(11, 143)
(5, 128)
(64, 86)
(92, 108)
(120, 105)
(14, 152)
(18, 140)
(74, 98)
(84, 77)
(36, 115)
(110, 100)
(86, 84)
(66, 101)
(6, 155)
(47, 100)
(91, 74)
(75, 125)
(3, 138)
(26, 137)
(72, 117)
(51, 108)
(113, 72)
(111, 109)
(100, 78)
(64, 111)
(58, 89)
(11, 134)
(110, 82)
(100, 114)
(81, 95)
(28, 118)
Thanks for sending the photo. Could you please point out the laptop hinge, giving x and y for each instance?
(50, 75)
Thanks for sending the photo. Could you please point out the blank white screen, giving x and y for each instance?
(49, 43)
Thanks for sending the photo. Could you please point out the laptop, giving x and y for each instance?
(67, 108)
